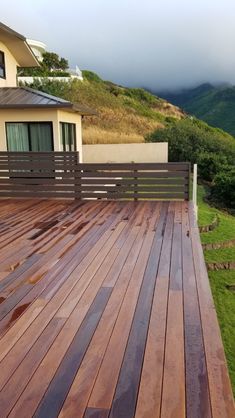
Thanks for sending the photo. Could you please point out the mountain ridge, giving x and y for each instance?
(213, 104)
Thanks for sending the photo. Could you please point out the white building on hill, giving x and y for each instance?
(38, 49)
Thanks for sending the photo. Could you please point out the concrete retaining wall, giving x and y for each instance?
(126, 153)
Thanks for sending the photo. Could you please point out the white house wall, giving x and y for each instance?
(70, 117)
(11, 68)
(41, 115)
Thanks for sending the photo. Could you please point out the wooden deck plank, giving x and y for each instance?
(96, 413)
(197, 389)
(173, 391)
(106, 312)
(150, 391)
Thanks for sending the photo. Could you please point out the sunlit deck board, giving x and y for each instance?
(106, 311)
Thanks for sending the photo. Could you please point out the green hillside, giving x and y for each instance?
(214, 105)
(124, 114)
(132, 114)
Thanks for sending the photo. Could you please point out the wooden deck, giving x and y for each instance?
(106, 311)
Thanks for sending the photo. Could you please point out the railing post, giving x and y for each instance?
(195, 190)
(77, 178)
(136, 184)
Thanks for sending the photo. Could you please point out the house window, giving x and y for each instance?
(2, 65)
(29, 136)
(68, 136)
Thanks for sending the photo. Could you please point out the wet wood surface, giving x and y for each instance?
(106, 312)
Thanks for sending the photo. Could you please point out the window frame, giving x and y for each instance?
(3, 65)
(29, 135)
(62, 138)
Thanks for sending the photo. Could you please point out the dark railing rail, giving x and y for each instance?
(60, 175)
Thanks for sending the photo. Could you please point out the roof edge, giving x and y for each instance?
(48, 96)
(57, 103)
(11, 31)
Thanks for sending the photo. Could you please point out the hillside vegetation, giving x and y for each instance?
(214, 105)
(211, 148)
(124, 114)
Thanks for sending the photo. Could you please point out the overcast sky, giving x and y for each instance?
(160, 44)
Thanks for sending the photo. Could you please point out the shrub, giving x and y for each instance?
(189, 138)
(90, 76)
(210, 164)
(170, 119)
(141, 95)
(223, 189)
(53, 87)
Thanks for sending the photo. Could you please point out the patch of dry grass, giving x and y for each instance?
(96, 135)
(169, 109)
(119, 125)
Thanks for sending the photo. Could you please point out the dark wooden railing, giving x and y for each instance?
(60, 175)
(134, 181)
(38, 174)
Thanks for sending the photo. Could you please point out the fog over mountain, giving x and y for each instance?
(164, 44)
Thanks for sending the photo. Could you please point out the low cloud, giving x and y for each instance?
(156, 44)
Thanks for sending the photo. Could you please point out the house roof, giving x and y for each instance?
(18, 46)
(27, 98)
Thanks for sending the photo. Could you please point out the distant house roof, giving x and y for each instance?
(18, 46)
(27, 98)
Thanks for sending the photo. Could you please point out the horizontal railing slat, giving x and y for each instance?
(131, 174)
(37, 154)
(136, 166)
(130, 181)
(115, 189)
(30, 194)
(36, 181)
(86, 182)
(128, 196)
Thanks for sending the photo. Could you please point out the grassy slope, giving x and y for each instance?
(224, 298)
(225, 307)
(221, 255)
(124, 114)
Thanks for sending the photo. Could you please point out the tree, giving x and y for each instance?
(53, 62)
(51, 65)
